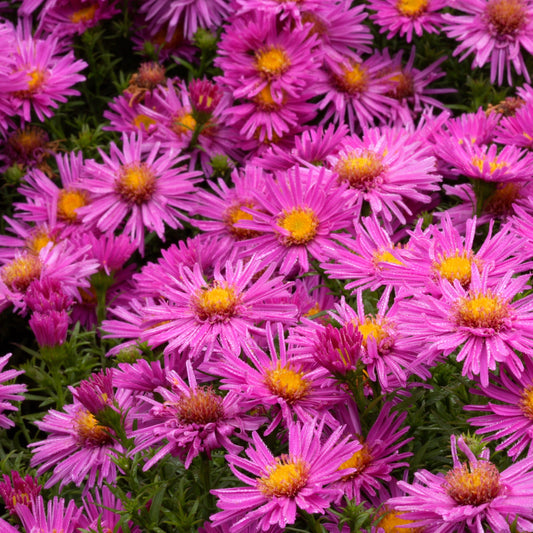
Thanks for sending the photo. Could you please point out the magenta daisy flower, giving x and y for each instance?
(405, 17)
(54, 517)
(279, 486)
(188, 16)
(130, 117)
(256, 54)
(472, 496)
(298, 216)
(355, 92)
(367, 259)
(17, 490)
(137, 191)
(518, 128)
(378, 454)
(198, 316)
(79, 449)
(279, 382)
(190, 420)
(50, 76)
(484, 323)
(9, 392)
(386, 168)
(496, 31)
(510, 408)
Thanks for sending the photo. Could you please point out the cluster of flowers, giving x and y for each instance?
(311, 157)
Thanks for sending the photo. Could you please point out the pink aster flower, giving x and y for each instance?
(279, 382)
(355, 92)
(16, 490)
(136, 190)
(198, 316)
(496, 31)
(387, 168)
(279, 486)
(485, 323)
(405, 17)
(510, 412)
(518, 128)
(297, 216)
(378, 454)
(190, 420)
(63, 18)
(9, 393)
(50, 76)
(188, 17)
(366, 260)
(48, 203)
(54, 517)
(102, 513)
(471, 496)
(129, 117)
(257, 54)
(78, 448)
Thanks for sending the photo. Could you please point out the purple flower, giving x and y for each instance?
(16, 490)
(279, 486)
(55, 517)
(9, 393)
(473, 493)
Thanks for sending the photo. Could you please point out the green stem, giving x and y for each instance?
(205, 481)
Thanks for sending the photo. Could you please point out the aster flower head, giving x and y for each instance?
(297, 216)
(55, 516)
(200, 316)
(280, 486)
(509, 418)
(137, 191)
(9, 392)
(471, 496)
(406, 17)
(190, 420)
(50, 328)
(517, 129)
(16, 490)
(496, 32)
(78, 448)
(483, 322)
(96, 393)
(47, 294)
(378, 454)
(280, 382)
(49, 75)
(386, 168)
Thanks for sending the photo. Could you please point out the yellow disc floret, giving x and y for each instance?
(287, 383)
(506, 17)
(272, 62)
(473, 483)
(362, 169)
(136, 182)
(302, 225)
(481, 311)
(68, 202)
(285, 478)
(217, 302)
(412, 8)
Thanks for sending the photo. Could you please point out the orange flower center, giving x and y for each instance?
(289, 384)
(481, 311)
(473, 484)
(21, 271)
(302, 225)
(353, 80)
(234, 214)
(359, 460)
(412, 8)
(272, 62)
(362, 169)
(285, 478)
(68, 202)
(216, 303)
(202, 407)
(89, 431)
(526, 402)
(506, 17)
(136, 182)
(457, 266)
(183, 124)
(85, 14)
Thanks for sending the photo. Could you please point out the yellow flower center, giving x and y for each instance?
(272, 62)
(38, 240)
(359, 460)
(314, 310)
(506, 17)
(473, 484)
(494, 165)
(142, 120)
(403, 86)
(85, 14)
(412, 8)
(457, 266)
(136, 182)
(285, 478)
(265, 100)
(68, 202)
(37, 78)
(481, 311)
(234, 214)
(391, 520)
(184, 124)
(353, 80)
(385, 256)
(28, 140)
(89, 431)
(202, 407)
(216, 303)
(526, 402)
(374, 328)
(21, 271)
(291, 385)
(302, 225)
(362, 169)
